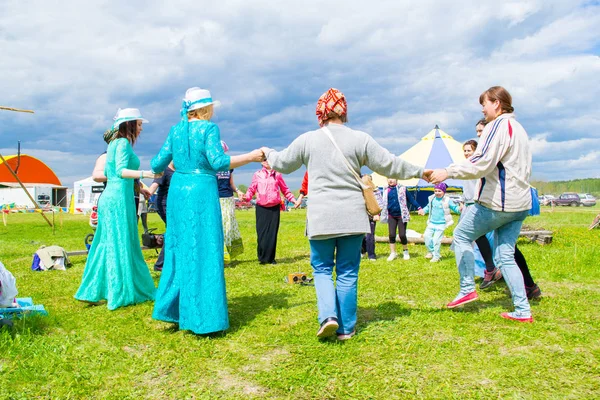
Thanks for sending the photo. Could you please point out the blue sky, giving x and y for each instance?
(404, 66)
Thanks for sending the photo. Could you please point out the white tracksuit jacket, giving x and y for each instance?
(503, 162)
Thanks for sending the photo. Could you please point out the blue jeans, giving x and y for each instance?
(339, 301)
(477, 221)
(433, 238)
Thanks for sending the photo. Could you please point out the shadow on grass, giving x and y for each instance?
(284, 260)
(382, 312)
(28, 325)
(243, 309)
(304, 257)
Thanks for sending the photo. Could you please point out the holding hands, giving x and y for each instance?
(438, 176)
(427, 175)
(421, 212)
(150, 175)
(145, 192)
(435, 176)
(257, 155)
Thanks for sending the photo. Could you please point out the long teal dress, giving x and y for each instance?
(191, 291)
(115, 269)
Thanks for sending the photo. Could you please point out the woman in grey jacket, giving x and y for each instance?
(337, 219)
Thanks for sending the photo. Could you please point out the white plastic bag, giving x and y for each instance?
(8, 287)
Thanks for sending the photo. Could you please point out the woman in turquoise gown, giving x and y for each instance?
(192, 291)
(115, 269)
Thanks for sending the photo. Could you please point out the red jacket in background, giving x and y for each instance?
(304, 187)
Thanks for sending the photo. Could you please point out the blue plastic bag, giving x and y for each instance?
(535, 202)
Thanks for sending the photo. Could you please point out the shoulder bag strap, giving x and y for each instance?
(328, 133)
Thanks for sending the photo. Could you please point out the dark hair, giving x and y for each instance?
(333, 114)
(498, 93)
(482, 121)
(472, 143)
(128, 130)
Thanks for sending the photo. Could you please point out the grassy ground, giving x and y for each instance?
(407, 344)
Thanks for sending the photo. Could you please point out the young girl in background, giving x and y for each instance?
(438, 208)
(368, 243)
(395, 213)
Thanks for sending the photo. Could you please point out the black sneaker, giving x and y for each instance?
(490, 277)
(533, 292)
(328, 327)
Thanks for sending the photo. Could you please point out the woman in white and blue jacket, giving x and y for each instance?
(395, 213)
(438, 208)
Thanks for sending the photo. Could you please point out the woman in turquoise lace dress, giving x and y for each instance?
(191, 291)
(115, 269)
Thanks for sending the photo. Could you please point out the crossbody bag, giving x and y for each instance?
(371, 203)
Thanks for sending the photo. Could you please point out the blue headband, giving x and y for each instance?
(184, 119)
(187, 104)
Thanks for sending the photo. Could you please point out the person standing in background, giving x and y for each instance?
(161, 187)
(233, 245)
(396, 214)
(267, 184)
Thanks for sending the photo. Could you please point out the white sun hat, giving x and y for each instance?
(127, 114)
(197, 98)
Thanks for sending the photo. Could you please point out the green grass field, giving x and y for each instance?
(408, 345)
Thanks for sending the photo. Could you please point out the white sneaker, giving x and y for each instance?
(372, 259)
(428, 255)
(392, 256)
(362, 255)
(435, 259)
(406, 256)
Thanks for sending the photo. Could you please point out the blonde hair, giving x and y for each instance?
(204, 113)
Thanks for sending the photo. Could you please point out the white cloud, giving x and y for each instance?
(576, 31)
(542, 149)
(405, 66)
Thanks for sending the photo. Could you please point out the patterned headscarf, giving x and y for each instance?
(331, 100)
(441, 186)
(110, 134)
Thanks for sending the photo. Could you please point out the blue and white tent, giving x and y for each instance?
(437, 149)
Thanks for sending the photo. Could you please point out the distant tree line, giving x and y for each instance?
(588, 185)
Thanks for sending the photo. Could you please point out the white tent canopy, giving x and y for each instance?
(85, 193)
(437, 149)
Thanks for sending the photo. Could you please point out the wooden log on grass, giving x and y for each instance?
(385, 239)
(85, 252)
(542, 237)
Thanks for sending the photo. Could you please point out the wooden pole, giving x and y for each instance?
(15, 109)
(37, 207)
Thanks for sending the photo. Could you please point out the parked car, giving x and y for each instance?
(546, 199)
(242, 205)
(567, 199)
(587, 199)
(455, 197)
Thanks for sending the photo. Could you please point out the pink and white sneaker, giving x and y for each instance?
(462, 300)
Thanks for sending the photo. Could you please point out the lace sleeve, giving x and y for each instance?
(164, 156)
(122, 154)
(218, 160)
